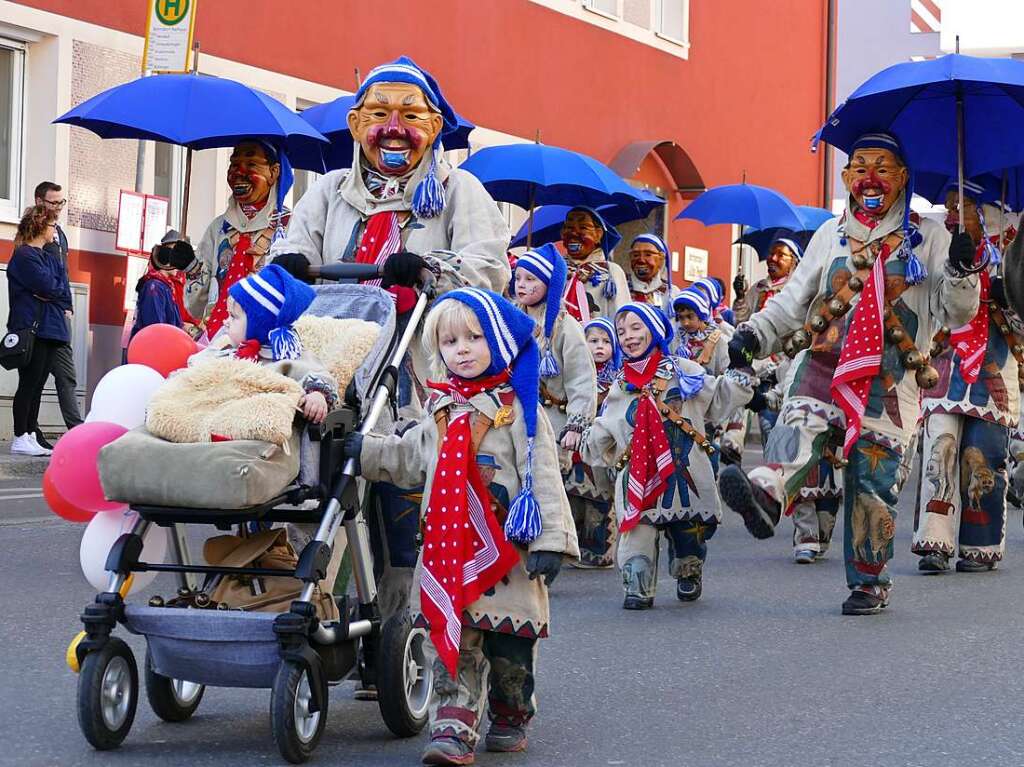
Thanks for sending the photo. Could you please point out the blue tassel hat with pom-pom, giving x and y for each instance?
(547, 265)
(272, 301)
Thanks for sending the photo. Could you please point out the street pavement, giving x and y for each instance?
(763, 670)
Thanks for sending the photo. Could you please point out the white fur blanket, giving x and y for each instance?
(341, 345)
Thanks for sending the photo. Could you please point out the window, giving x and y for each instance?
(672, 20)
(169, 178)
(11, 86)
(605, 7)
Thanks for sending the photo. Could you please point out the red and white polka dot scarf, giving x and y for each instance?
(465, 551)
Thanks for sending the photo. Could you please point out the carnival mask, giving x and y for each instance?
(251, 174)
(395, 127)
(972, 221)
(580, 234)
(645, 261)
(875, 178)
(781, 261)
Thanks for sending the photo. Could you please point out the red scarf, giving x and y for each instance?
(971, 340)
(576, 303)
(241, 266)
(381, 238)
(176, 282)
(861, 357)
(465, 551)
(650, 462)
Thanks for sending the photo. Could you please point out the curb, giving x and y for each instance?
(20, 466)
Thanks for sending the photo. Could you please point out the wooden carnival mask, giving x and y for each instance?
(875, 178)
(781, 260)
(645, 260)
(581, 234)
(395, 127)
(972, 221)
(251, 174)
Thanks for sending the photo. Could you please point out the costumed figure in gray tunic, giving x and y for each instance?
(597, 286)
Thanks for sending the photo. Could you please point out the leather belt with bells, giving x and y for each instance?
(942, 338)
(839, 304)
(657, 389)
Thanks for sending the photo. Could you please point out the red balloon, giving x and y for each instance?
(61, 507)
(73, 469)
(162, 347)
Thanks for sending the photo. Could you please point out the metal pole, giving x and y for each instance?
(529, 228)
(188, 156)
(140, 157)
(960, 155)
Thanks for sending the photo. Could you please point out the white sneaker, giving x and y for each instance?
(26, 445)
(35, 441)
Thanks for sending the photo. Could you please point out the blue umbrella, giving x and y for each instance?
(956, 115)
(198, 112)
(747, 204)
(813, 216)
(761, 240)
(547, 221)
(331, 119)
(933, 186)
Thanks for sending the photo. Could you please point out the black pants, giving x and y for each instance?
(31, 380)
(62, 366)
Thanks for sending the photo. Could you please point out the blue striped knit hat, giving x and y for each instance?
(604, 324)
(653, 239)
(428, 198)
(712, 290)
(273, 300)
(547, 265)
(656, 322)
(798, 252)
(509, 334)
(695, 300)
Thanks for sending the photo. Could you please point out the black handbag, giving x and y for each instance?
(16, 347)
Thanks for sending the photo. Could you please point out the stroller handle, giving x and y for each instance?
(340, 272)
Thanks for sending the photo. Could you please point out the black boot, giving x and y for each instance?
(933, 563)
(971, 566)
(760, 511)
(866, 600)
(689, 589)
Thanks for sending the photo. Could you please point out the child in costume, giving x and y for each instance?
(480, 589)
(700, 338)
(590, 487)
(650, 431)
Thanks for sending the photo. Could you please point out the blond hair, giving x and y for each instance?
(449, 316)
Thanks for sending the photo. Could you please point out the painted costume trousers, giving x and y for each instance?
(639, 549)
(596, 529)
(797, 445)
(813, 523)
(962, 494)
(495, 670)
(734, 435)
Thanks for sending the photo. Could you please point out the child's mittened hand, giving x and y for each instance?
(314, 407)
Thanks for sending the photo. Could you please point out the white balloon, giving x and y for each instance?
(99, 537)
(122, 395)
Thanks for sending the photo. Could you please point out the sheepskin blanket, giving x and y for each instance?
(341, 345)
(228, 397)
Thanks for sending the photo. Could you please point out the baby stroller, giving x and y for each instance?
(293, 653)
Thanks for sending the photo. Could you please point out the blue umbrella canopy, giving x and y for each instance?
(331, 119)
(933, 187)
(547, 221)
(813, 216)
(199, 112)
(528, 175)
(747, 204)
(918, 103)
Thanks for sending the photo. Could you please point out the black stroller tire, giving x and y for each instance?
(296, 730)
(173, 700)
(404, 676)
(108, 694)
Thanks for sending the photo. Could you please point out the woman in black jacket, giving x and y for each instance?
(39, 296)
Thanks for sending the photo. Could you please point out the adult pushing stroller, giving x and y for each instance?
(294, 653)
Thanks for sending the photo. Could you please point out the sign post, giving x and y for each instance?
(170, 25)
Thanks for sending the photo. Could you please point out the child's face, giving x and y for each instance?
(600, 345)
(688, 320)
(236, 324)
(464, 349)
(634, 337)
(529, 289)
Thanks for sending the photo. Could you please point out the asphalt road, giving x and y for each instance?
(763, 670)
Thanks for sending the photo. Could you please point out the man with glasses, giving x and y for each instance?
(63, 367)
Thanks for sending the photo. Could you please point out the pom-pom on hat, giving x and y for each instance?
(273, 300)
(712, 290)
(656, 322)
(428, 197)
(605, 325)
(509, 334)
(695, 300)
(547, 265)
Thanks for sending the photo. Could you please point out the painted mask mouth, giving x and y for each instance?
(241, 189)
(873, 200)
(393, 158)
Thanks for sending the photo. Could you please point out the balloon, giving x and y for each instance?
(61, 507)
(73, 470)
(99, 537)
(162, 347)
(122, 394)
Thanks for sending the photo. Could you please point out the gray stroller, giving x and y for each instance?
(293, 653)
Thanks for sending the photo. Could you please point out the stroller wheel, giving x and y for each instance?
(108, 692)
(297, 730)
(173, 700)
(404, 676)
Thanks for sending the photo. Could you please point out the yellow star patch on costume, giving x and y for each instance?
(874, 453)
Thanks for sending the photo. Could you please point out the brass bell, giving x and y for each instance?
(838, 307)
(801, 339)
(856, 284)
(913, 360)
(927, 377)
(936, 349)
(895, 334)
(818, 323)
(1004, 329)
(859, 261)
(1018, 348)
(886, 312)
(156, 601)
(944, 331)
(787, 348)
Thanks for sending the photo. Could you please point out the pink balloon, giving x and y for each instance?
(162, 347)
(73, 471)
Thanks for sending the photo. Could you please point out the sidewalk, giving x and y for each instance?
(19, 466)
